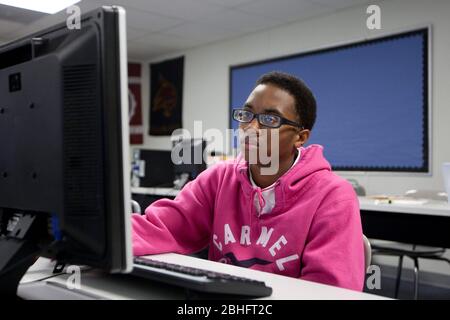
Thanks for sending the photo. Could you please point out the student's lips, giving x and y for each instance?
(249, 146)
(250, 143)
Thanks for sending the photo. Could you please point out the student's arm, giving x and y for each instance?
(334, 252)
(182, 225)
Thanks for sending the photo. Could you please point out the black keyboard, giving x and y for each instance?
(199, 280)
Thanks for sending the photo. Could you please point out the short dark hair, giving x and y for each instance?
(305, 103)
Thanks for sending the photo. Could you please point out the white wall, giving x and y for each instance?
(207, 75)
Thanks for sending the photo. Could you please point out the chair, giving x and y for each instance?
(412, 251)
(135, 207)
(367, 252)
(359, 189)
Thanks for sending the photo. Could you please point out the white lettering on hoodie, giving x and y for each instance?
(228, 234)
(277, 245)
(245, 235)
(264, 236)
(263, 239)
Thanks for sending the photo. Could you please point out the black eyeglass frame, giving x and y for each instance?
(258, 115)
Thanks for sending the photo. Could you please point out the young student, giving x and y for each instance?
(303, 221)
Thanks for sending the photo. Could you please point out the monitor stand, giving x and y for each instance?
(21, 237)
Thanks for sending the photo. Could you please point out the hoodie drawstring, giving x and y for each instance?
(261, 200)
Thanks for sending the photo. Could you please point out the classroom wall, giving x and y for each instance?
(205, 95)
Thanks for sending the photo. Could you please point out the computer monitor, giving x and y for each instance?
(188, 157)
(152, 168)
(64, 163)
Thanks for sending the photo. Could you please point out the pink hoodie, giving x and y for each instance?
(313, 232)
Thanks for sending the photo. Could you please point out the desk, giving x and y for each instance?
(162, 192)
(146, 196)
(422, 224)
(97, 285)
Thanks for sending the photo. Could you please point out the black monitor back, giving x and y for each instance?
(64, 135)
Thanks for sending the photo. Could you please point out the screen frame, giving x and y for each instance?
(427, 169)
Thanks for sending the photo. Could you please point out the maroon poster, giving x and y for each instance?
(166, 96)
(135, 103)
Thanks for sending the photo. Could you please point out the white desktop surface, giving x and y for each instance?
(96, 285)
(156, 191)
(429, 207)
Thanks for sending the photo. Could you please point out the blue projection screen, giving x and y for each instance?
(372, 100)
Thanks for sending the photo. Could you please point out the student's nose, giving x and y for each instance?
(254, 124)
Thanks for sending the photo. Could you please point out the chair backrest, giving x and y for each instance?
(359, 189)
(135, 207)
(367, 252)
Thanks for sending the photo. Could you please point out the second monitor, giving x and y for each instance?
(169, 168)
(189, 160)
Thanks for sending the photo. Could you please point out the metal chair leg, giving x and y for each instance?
(416, 278)
(399, 275)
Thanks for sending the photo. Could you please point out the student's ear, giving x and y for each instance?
(302, 138)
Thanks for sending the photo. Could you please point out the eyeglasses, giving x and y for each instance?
(264, 119)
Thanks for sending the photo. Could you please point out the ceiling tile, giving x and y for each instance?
(158, 27)
(133, 34)
(135, 47)
(183, 9)
(242, 21)
(168, 41)
(285, 10)
(49, 20)
(149, 21)
(231, 3)
(145, 51)
(201, 31)
(340, 4)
